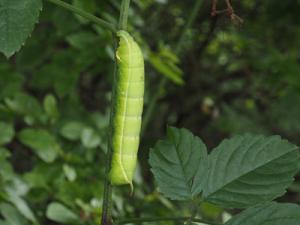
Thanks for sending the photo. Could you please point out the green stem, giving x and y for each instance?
(188, 25)
(86, 15)
(124, 14)
(157, 219)
(162, 83)
(107, 195)
(194, 209)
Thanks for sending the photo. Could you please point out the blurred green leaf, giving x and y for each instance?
(89, 138)
(41, 142)
(25, 105)
(11, 215)
(10, 82)
(50, 107)
(22, 206)
(178, 164)
(167, 68)
(70, 172)
(17, 22)
(72, 130)
(7, 133)
(61, 214)
(4, 223)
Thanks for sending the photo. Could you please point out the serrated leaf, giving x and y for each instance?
(60, 213)
(17, 19)
(250, 169)
(41, 142)
(268, 214)
(7, 133)
(178, 164)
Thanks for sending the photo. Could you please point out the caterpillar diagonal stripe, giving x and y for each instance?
(127, 110)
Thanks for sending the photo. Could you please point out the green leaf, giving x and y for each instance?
(268, 214)
(17, 19)
(89, 138)
(69, 172)
(11, 215)
(178, 164)
(4, 154)
(6, 133)
(4, 223)
(43, 143)
(50, 107)
(250, 169)
(21, 205)
(72, 130)
(25, 105)
(61, 214)
(10, 81)
(167, 68)
(6, 170)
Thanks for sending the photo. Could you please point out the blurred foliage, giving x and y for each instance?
(55, 93)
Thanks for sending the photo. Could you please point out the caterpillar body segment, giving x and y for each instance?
(127, 111)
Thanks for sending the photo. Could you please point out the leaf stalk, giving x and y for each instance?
(86, 15)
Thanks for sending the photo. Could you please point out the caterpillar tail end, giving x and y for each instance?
(118, 177)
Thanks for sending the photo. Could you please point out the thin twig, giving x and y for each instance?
(85, 14)
(214, 8)
(124, 14)
(229, 10)
(107, 195)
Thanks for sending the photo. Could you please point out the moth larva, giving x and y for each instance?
(127, 110)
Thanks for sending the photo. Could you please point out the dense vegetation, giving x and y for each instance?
(222, 77)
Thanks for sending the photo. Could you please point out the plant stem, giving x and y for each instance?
(107, 195)
(157, 219)
(124, 14)
(86, 15)
(188, 25)
(163, 81)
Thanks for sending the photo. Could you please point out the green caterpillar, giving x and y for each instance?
(127, 111)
